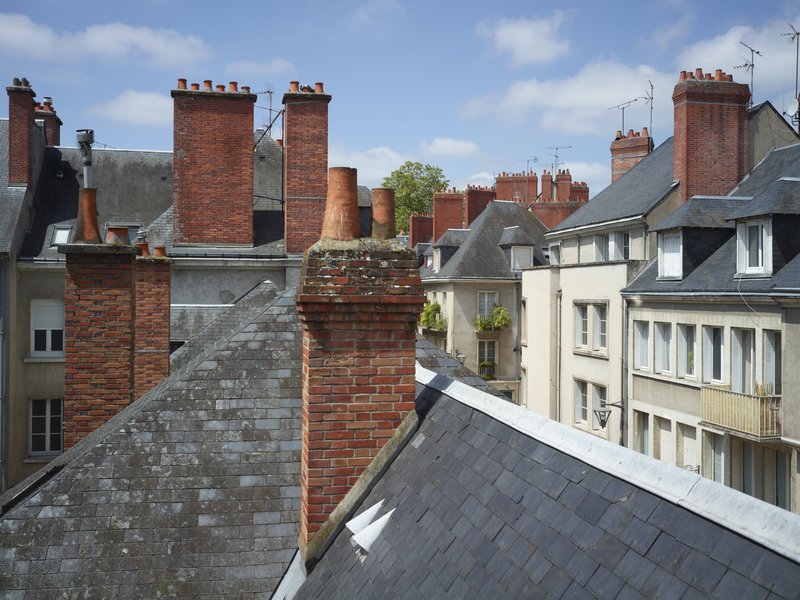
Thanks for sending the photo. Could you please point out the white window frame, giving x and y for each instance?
(48, 432)
(581, 401)
(742, 360)
(600, 328)
(670, 255)
(61, 235)
(710, 349)
(484, 298)
(772, 362)
(641, 345)
(663, 347)
(687, 351)
(601, 247)
(555, 253)
(763, 247)
(47, 316)
(582, 326)
(437, 259)
(521, 257)
(483, 356)
(523, 322)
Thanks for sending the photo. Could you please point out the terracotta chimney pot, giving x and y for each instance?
(383, 223)
(220, 87)
(233, 86)
(341, 208)
(195, 86)
(117, 236)
(245, 89)
(318, 88)
(160, 251)
(181, 84)
(294, 86)
(207, 84)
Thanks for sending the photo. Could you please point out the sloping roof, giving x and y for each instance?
(492, 501)
(702, 212)
(192, 490)
(515, 236)
(637, 193)
(479, 254)
(11, 198)
(780, 162)
(782, 197)
(452, 238)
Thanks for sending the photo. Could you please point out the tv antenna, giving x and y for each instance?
(272, 113)
(622, 107)
(555, 150)
(750, 66)
(527, 161)
(794, 36)
(648, 99)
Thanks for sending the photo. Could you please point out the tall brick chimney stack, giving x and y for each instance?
(420, 229)
(52, 123)
(358, 301)
(476, 199)
(20, 132)
(305, 164)
(448, 209)
(628, 150)
(519, 187)
(547, 186)
(212, 182)
(116, 318)
(563, 185)
(711, 132)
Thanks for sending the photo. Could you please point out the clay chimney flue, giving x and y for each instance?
(341, 208)
(383, 223)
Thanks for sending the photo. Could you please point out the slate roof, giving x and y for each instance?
(635, 194)
(479, 255)
(515, 236)
(11, 198)
(191, 491)
(780, 198)
(702, 212)
(492, 501)
(452, 238)
(780, 162)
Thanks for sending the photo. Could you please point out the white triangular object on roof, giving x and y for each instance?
(358, 523)
(367, 536)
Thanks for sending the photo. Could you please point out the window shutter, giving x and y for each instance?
(741, 247)
(708, 354)
(737, 374)
(772, 373)
(682, 351)
(47, 315)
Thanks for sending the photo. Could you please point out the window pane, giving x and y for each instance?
(40, 340)
(57, 340)
(754, 246)
(716, 349)
(38, 443)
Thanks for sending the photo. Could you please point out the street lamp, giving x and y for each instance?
(604, 412)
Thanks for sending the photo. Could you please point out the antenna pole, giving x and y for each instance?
(794, 36)
(555, 150)
(527, 162)
(622, 108)
(751, 66)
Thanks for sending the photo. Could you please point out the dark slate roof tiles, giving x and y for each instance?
(703, 212)
(782, 197)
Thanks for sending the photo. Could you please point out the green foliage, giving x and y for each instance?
(432, 318)
(499, 319)
(487, 370)
(414, 185)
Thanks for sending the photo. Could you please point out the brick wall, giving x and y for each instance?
(151, 323)
(52, 124)
(305, 143)
(475, 200)
(563, 185)
(20, 132)
(420, 229)
(628, 150)
(552, 213)
(212, 183)
(447, 212)
(711, 133)
(512, 186)
(547, 187)
(358, 302)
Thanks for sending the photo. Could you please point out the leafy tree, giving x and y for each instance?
(414, 185)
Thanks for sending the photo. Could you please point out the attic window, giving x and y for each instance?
(521, 257)
(670, 255)
(754, 248)
(61, 235)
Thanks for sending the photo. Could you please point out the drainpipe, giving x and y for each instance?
(558, 356)
(623, 419)
(3, 384)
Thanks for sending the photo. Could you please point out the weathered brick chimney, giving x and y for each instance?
(212, 183)
(447, 212)
(420, 229)
(358, 301)
(305, 164)
(517, 187)
(116, 320)
(476, 198)
(628, 150)
(52, 123)
(711, 133)
(20, 132)
(563, 185)
(547, 186)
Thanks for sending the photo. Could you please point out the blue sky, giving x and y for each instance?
(474, 87)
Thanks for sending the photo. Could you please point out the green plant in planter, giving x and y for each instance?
(431, 317)
(498, 320)
(487, 370)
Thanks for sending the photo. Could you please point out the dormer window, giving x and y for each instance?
(754, 247)
(61, 235)
(555, 254)
(521, 257)
(670, 255)
(437, 260)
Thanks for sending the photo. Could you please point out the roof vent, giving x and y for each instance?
(365, 531)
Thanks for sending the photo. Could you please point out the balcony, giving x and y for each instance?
(754, 416)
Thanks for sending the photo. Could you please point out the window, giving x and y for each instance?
(713, 456)
(47, 328)
(555, 254)
(61, 235)
(620, 245)
(641, 422)
(487, 363)
(626, 245)
(521, 257)
(600, 334)
(663, 440)
(686, 350)
(601, 248)
(437, 259)
(663, 347)
(772, 363)
(523, 322)
(754, 248)
(712, 354)
(598, 402)
(46, 426)
(670, 255)
(581, 326)
(581, 402)
(742, 360)
(486, 303)
(641, 345)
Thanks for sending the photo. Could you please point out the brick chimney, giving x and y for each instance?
(420, 229)
(358, 302)
(547, 186)
(447, 212)
(628, 150)
(52, 123)
(518, 187)
(563, 185)
(711, 133)
(20, 132)
(212, 183)
(476, 198)
(305, 164)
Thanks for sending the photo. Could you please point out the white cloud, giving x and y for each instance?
(581, 104)
(482, 176)
(138, 108)
(666, 34)
(260, 69)
(596, 175)
(442, 147)
(372, 17)
(373, 164)
(19, 35)
(528, 41)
